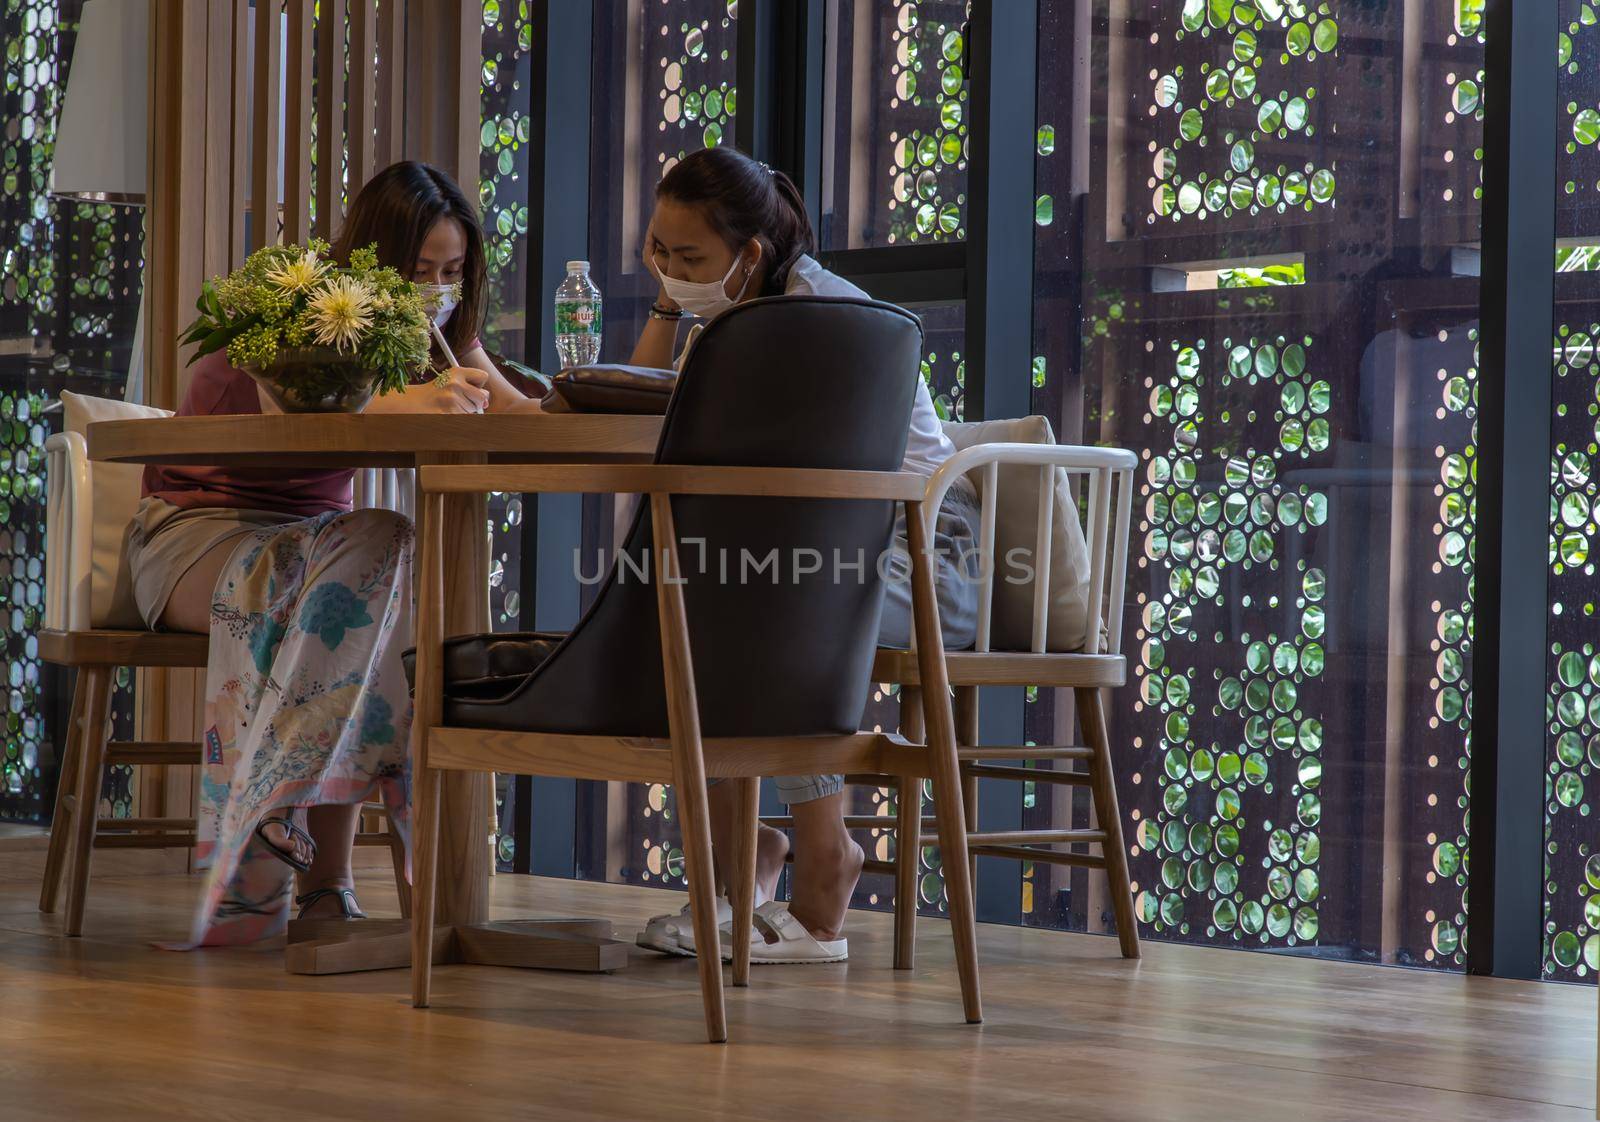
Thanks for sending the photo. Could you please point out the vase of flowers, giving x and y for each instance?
(316, 336)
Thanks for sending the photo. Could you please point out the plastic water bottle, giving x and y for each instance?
(577, 318)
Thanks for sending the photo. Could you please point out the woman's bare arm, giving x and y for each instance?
(463, 392)
(656, 343)
(503, 396)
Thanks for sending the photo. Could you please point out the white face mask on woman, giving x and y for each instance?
(440, 300)
(706, 298)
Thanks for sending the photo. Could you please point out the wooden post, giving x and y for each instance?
(297, 124)
(215, 56)
(200, 133)
(466, 99)
(239, 137)
(331, 25)
(268, 65)
(391, 81)
(176, 262)
(362, 100)
(445, 53)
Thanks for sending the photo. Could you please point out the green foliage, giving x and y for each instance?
(287, 297)
(1265, 277)
(1577, 258)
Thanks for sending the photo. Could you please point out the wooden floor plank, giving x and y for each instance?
(108, 1026)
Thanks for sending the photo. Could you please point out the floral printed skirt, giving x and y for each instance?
(306, 701)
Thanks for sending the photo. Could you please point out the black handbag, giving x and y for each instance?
(611, 389)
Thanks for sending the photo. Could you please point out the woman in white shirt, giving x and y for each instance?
(726, 229)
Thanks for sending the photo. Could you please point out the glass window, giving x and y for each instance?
(894, 123)
(1256, 229)
(1572, 743)
(503, 173)
(943, 367)
(503, 201)
(665, 85)
(70, 283)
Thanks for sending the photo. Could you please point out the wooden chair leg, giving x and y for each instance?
(402, 887)
(966, 718)
(427, 782)
(695, 822)
(1103, 785)
(688, 766)
(91, 776)
(61, 833)
(908, 840)
(742, 892)
(425, 795)
(941, 741)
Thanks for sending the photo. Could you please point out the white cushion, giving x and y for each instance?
(1016, 527)
(115, 490)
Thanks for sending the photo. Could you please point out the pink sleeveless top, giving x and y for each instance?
(218, 389)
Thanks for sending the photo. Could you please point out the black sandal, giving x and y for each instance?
(347, 902)
(287, 856)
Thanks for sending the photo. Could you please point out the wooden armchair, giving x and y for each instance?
(681, 672)
(1069, 618)
(92, 626)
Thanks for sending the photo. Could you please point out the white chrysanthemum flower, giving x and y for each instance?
(295, 276)
(340, 311)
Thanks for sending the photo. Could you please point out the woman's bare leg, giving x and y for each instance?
(772, 846)
(189, 608)
(334, 828)
(827, 865)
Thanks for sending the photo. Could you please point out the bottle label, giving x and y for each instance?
(577, 317)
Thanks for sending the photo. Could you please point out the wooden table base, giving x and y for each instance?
(336, 946)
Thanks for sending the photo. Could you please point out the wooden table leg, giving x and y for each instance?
(468, 797)
(462, 931)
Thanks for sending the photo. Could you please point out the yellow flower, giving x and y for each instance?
(340, 311)
(297, 275)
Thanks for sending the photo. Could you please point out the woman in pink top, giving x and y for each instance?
(307, 602)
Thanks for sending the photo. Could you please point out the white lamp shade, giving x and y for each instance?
(102, 136)
(102, 133)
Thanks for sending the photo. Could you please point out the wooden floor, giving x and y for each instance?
(107, 1027)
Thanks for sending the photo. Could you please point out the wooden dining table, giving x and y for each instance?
(326, 440)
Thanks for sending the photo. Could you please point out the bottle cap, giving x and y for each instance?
(577, 266)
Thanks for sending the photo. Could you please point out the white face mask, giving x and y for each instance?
(440, 300)
(706, 298)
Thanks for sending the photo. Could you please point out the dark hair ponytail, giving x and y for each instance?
(742, 199)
